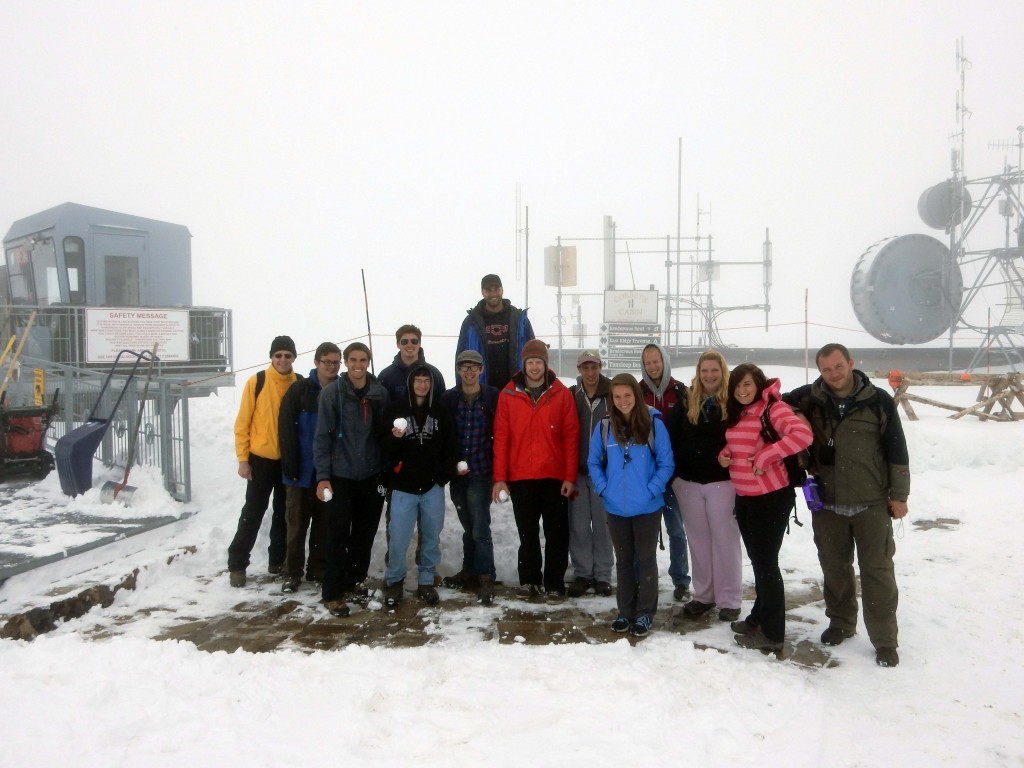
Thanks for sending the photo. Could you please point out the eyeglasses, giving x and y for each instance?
(330, 363)
(406, 342)
(471, 367)
(283, 355)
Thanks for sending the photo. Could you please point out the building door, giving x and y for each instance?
(121, 257)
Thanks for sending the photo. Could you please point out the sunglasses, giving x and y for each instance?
(283, 355)
(407, 342)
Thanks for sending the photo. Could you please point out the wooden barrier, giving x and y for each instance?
(993, 389)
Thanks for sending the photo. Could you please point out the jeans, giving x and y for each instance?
(533, 501)
(305, 512)
(471, 495)
(353, 516)
(406, 510)
(265, 480)
(763, 521)
(590, 546)
(636, 557)
(678, 563)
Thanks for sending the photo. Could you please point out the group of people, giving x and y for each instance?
(600, 465)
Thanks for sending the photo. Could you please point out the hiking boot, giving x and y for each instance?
(528, 591)
(603, 588)
(579, 586)
(759, 642)
(485, 592)
(427, 594)
(681, 592)
(697, 608)
(337, 608)
(621, 624)
(462, 580)
(275, 570)
(237, 578)
(835, 636)
(744, 628)
(555, 595)
(641, 626)
(729, 614)
(886, 657)
(291, 584)
(393, 593)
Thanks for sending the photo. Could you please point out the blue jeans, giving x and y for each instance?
(406, 509)
(679, 562)
(471, 495)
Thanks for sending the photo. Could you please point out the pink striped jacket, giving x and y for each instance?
(749, 450)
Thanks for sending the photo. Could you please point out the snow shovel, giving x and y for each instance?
(111, 491)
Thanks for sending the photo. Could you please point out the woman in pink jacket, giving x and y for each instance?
(763, 495)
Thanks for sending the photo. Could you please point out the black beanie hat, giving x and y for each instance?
(284, 344)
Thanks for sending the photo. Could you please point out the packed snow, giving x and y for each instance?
(99, 691)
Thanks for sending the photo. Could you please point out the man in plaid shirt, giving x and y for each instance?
(472, 406)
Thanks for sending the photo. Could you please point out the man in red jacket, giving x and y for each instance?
(536, 452)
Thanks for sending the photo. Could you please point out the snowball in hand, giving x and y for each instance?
(401, 423)
(462, 466)
(503, 496)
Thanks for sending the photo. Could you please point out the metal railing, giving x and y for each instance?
(163, 430)
(58, 335)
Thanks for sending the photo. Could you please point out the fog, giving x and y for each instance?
(304, 142)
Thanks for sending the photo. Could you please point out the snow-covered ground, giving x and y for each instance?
(126, 699)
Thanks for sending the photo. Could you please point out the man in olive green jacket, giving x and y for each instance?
(860, 461)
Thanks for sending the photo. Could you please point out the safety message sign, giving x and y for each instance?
(108, 330)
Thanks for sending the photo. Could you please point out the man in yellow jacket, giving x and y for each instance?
(259, 461)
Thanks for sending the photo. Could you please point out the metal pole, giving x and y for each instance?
(369, 335)
(526, 259)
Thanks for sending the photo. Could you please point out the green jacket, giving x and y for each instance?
(860, 458)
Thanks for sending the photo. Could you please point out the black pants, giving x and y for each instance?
(762, 521)
(353, 517)
(305, 512)
(265, 480)
(636, 563)
(532, 502)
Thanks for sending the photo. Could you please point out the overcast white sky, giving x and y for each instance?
(301, 142)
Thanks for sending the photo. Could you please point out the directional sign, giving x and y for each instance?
(630, 328)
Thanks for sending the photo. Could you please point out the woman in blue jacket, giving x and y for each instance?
(630, 464)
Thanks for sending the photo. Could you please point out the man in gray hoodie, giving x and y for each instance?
(665, 393)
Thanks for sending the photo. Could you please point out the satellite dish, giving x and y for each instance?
(945, 205)
(906, 289)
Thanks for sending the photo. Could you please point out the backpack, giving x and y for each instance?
(797, 463)
(261, 380)
(606, 427)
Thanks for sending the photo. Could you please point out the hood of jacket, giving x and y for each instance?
(410, 396)
(666, 375)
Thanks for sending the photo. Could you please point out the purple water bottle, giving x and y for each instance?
(811, 496)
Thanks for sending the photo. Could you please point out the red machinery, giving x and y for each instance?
(22, 431)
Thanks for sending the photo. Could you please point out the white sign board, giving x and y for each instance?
(631, 306)
(108, 330)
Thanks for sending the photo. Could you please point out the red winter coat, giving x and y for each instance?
(536, 441)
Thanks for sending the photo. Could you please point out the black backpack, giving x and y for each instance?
(797, 463)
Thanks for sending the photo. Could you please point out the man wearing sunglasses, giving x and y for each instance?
(259, 461)
(408, 339)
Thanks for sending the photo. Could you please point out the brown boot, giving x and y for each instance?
(485, 592)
